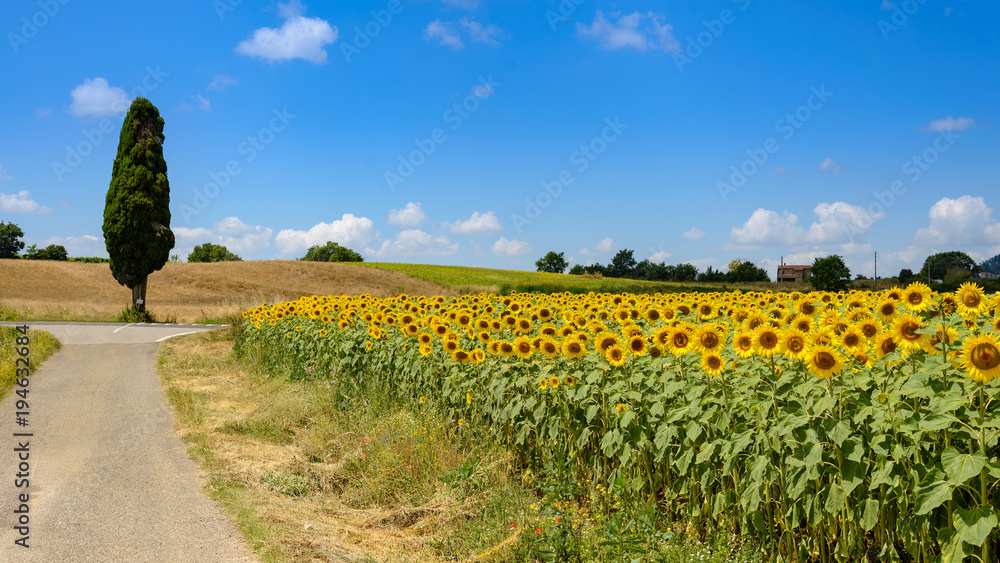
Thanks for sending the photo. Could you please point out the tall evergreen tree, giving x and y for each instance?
(137, 208)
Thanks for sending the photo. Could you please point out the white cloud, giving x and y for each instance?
(414, 242)
(659, 257)
(464, 4)
(693, 234)
(479, 33)
(4, 176)
(636, 31)
(782, 171)
(478, 224)
(96, 98)
(950, 124)
(767, 228)
(238, 237)
(86, 245)
(839, 222)
(606, 246)
(220, 82)
(444, 33)
(508, 248)
(408, 217)
(830, 165)
(21, 202)
(43, 112)
(291, 9)
(298, 38)
(963, 221)
(350, 231)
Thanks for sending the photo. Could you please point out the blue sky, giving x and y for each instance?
(479, 132)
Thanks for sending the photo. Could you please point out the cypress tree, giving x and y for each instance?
(137, 208)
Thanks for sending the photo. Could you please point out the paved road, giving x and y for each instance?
(109, 479)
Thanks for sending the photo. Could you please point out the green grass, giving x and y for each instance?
(474, 280)
(41, 345)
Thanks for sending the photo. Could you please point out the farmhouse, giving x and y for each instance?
(788, 273)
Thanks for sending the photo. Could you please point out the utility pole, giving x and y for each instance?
(876, 271)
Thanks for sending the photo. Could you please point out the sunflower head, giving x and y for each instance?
(980, 357)
(824, 361)
(615, 356)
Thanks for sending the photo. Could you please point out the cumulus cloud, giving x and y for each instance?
(96, 98)
(298, 38)
(768, 228)
(444, 33)
(693, 234)
(408, 217)
(449, 33)
(21, 202)
(660, 257)
(606, 246)
(830, 165)
(350, 231)
(415, 242)
(478, 224)
(508, 248)
(237, 236)
(966, 220)
(950, 124)
(480, 33)
(836, 223)
(220, 82)
(634, 31)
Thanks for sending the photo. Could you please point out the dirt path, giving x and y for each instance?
(109, 478)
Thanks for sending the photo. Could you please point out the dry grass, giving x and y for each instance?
(292, 470)
(44, 290)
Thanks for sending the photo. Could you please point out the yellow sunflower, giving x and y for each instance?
(549, 348)
(573, 348)
(793, 343)
(523, 347)
(637, 345)
(706, 338)
(712, 363)
(766, 340)
(743, 343)
(615, 356)
(824, 361)
(980, 357)
(917, 296)
(904, 331)
(971, 300)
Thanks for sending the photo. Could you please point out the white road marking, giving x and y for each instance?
(178, 334)
(121, 327)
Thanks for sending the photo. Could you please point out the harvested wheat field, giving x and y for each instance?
(187, 293)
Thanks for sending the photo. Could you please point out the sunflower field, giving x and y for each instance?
(831, 426)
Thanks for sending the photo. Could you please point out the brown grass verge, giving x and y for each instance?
(48, 290)
(298, 491)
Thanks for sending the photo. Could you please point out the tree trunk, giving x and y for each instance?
(139, 295)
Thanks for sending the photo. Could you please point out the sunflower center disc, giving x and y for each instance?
(985, 356)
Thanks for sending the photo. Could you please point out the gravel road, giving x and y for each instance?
(109, 479)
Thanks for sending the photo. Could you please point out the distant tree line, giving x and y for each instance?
(624, 265)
